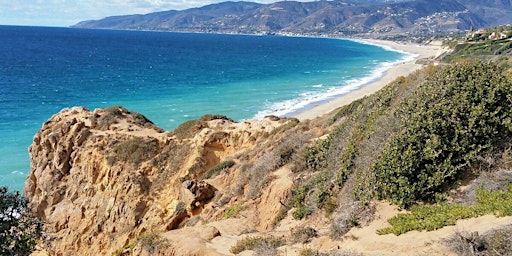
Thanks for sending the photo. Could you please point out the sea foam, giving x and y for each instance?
(308, 100)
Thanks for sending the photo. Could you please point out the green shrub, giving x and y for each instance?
(301, 212)
(462, 112)
(19, 230)
(316, 155)
(432, 217)
(311, 194)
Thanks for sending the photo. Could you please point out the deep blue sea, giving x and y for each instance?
(168, 77)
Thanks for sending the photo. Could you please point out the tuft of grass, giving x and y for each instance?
(254, 242)
(153, 243)
(210, 117)
(432, 217)
(292, 122)
(217, 169)
(188, 129)
(311, 252)
(127, 250)
(232, 211)
(302, 234)
(280, 216)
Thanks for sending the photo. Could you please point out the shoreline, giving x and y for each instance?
(402, 69)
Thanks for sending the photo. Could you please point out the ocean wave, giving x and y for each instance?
(309, 99)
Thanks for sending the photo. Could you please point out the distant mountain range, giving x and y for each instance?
(340, 17)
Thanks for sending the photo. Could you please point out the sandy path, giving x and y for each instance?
(366, 241)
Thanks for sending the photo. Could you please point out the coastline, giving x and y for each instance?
(401, 69)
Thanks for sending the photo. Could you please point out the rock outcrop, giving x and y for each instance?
(106, 178)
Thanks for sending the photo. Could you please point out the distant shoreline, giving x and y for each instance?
(402, 69)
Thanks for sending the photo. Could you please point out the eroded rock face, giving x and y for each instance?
(102, 179)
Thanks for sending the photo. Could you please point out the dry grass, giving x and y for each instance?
(496, 242)
(352, 215)
(302, 234)
(134, 150)
(261, 245)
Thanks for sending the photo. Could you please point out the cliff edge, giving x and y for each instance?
(102, 179)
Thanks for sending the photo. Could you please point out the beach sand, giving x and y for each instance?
(402, 69)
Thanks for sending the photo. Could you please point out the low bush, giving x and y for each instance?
(302, 234)
(217, 169)
(210, 117)
(189, 129)
(462, 112)
(351, 215)
(494, 242)
(153, 243)
(19, 229)
(311, 194)
(432, 217)
(110, 116)
(134, 150)
(255, 242)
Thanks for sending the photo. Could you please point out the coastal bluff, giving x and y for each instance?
(110, 182)
(104, 179)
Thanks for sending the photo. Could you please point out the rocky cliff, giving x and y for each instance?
(104, 179)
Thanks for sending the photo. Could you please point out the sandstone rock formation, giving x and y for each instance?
(106, 178)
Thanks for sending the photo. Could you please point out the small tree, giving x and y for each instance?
(19, 230)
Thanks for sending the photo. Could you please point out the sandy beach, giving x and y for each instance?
(402, 69)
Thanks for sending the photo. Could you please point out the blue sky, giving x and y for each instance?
(69, 12)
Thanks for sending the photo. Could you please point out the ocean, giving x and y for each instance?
(168, 77)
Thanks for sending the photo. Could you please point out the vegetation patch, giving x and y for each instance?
(494, 242)
(19, 230)
(432, 217)
(310, 194)
(232, 211)
(210, 117)
(256, 243)
(462, 112)
(302, 234)
(217, 169)
(283, 153)
(312, 252)
(292, 122)
(189, 129)
(153, 243)
(134, 150)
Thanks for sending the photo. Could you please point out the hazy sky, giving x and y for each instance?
(69, 12)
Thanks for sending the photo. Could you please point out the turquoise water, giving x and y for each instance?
(168, 77)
